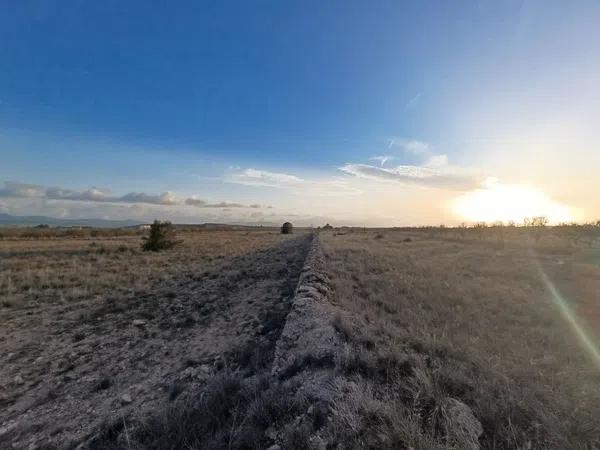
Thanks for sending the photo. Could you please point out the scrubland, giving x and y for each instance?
(469, 314)
(107, 347)
(96, 333)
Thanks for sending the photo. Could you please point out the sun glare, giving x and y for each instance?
(508, 202)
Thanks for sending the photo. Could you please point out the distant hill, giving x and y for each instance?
(8, 220)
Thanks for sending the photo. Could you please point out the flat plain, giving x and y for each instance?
(95, 330)
(105, 346)
(493, 317)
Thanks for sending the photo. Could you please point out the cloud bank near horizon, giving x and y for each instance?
(16, 189)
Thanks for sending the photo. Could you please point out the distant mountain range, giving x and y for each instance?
(8, 220)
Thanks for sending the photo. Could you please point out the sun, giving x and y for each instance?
(496, 201)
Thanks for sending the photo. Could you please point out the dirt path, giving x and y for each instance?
(69, 369)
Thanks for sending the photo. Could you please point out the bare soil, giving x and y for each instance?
(96, 332)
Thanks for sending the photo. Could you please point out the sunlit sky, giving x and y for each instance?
(361, 113)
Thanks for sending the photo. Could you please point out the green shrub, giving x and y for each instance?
(160, 237)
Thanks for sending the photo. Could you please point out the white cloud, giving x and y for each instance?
(14, 189)
(192, 201)
(413, 146)
(254, 177)
(92, 195)
(225, 205)
(330, 187)
(23, 190)
(103, 195)
(166, 198)
(434, 173)
(437, 161)
(382, 159)
(413, 102)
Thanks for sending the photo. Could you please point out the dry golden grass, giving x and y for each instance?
(428, 316)
(86, 321)
(58, 269)
(466, 313)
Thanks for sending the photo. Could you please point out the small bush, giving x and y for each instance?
(103, 384)
(287, 228)
(230, 413)
(160, 237)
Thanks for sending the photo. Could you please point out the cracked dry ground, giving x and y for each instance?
(94, 331)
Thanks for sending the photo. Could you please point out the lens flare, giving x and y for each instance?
(569, 315)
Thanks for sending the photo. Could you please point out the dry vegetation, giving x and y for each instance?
(98, 335)
(109, 347)
(434, 314)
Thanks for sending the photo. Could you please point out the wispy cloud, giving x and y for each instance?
(434, 173)
(104, 195)
(413, 102)
(199, 203)
(255, 177)
(91, 195)
(414, 146)
(15, 189)
(21, 190)
(437, 161)
(382, 159)
(192, 201)
(166, 198)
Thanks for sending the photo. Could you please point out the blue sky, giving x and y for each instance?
(372, 108)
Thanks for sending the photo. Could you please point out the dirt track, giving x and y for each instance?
(69, 368)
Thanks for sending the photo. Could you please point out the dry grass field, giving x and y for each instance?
(105, 346)
(468, 314)
(96, 333)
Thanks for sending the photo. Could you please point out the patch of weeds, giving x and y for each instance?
(108, 435)
(175, 389)
(254, 357)
(190, 363)
(101, 250)
(78, 337)
(382, 368)
(297, 436)
(273, 320)
(342, 327)
(103, 384)
(232, 412)
(188, 322)
(67, 368)
(308, 360)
